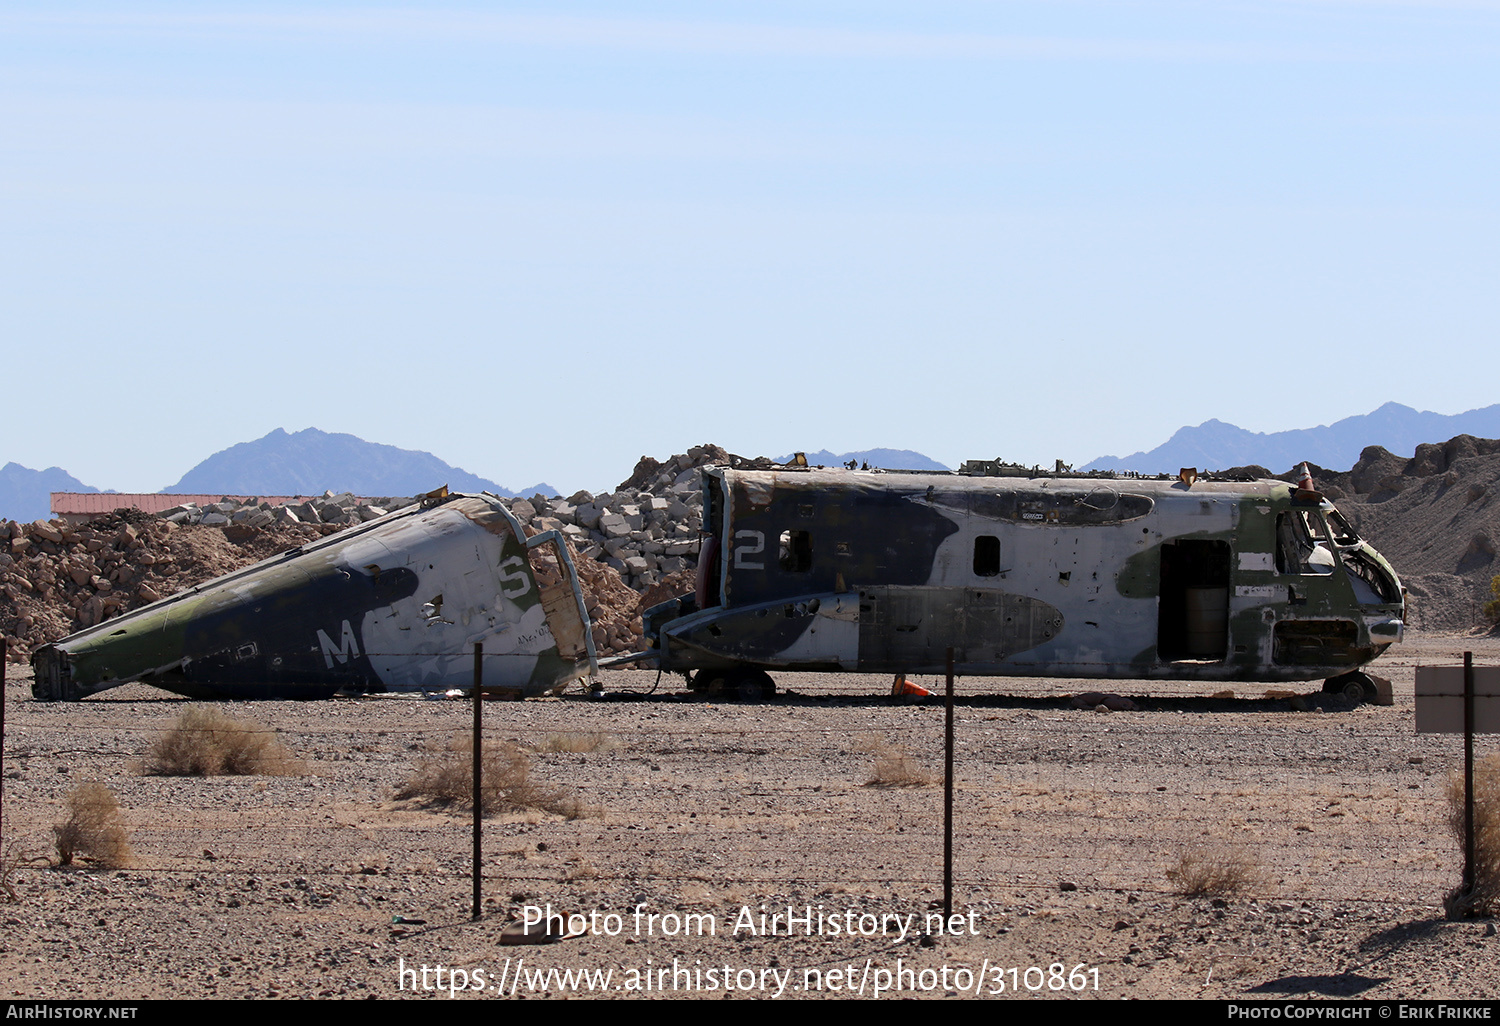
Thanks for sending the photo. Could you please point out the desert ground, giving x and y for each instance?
(692, 824)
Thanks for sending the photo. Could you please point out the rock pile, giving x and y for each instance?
(341, 510)
(635, 546)
(56, 579)
(645, 530)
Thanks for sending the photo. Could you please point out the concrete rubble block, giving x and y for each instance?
(368, 513)
(214, 520)
(540, 524)
(285, 515)
(589, 515)
(306, 513)
(681, 548)
(637, 565)
(614, 526)
(345, 499)
(619, 547)
(522, 510)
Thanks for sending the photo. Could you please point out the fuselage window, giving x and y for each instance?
(796, 551)
(986, 556)
(1302, 544)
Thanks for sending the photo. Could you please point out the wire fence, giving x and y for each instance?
(796, 797)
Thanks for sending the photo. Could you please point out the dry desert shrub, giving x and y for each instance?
(1485, 898)
(445, 777)
(583, 869)
(94, 827)
(893, 767)
(577, 742)
(1213, 872)
(205, 742)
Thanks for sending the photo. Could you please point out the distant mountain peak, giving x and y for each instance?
(26, 494)
(310, 461)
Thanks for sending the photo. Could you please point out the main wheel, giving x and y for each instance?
(1354, 686)
(754, 685)
(735, 685)
(1355, 692)
(707, 682)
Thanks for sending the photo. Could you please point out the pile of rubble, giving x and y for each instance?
(56, 579)
(647, 529)
(341, 510)
(635, 546)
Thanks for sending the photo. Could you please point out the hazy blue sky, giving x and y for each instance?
(542, 240)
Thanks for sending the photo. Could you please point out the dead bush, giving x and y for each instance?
(893, 767)
(206, 742)
(445, 778)
(94, 828)
(1485, 898)
(577, 742)
(1203, 872)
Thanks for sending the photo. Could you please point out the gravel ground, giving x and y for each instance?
(1075, 831)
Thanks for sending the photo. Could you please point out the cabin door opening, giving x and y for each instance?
(1193, 607)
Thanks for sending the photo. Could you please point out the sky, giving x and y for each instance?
(543, 240)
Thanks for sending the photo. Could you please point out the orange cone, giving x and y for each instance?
(1305, 482)
(903, 688)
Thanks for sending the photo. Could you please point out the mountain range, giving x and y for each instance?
(306, 462)
(309, 462)
(889, 459)
(1214, 445)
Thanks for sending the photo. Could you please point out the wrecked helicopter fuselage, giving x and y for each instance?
(397, 604)
(1061, 576)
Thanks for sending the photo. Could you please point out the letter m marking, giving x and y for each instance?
(346, 647)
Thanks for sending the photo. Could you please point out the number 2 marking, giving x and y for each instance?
(741, 551)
